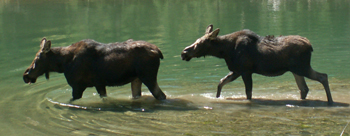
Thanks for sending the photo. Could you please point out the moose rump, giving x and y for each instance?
(92, 64)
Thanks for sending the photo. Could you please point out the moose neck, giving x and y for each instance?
(219, 47)
(59, 56)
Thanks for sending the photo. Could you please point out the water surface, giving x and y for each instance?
(43, 108)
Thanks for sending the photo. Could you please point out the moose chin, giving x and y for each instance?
(88, 63)
(246, 53)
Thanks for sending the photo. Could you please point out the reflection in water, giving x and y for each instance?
(190, 114)
(295, 103)
(275, 4)
(144, 104)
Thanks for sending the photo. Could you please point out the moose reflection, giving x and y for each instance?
(92, 64)
(246, 53)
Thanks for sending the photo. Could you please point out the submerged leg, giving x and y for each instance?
(101, 90)
(136, 88)
(153, 87)
(227, 79)
(300, 80)
(323, 79)
(148, 76)
(77, 92)
(248, 82)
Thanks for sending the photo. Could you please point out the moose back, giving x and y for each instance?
(246, 53)
(92, 64)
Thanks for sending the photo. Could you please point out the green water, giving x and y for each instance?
(191, 108)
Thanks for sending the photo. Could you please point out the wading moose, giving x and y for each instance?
(92, 64)
(246, 53)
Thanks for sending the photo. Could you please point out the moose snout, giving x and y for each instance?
(186, 54)
(27, 79)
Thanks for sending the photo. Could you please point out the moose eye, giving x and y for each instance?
(36, 60)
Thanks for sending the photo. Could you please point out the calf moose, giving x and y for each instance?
(92, 64)
(246, 53)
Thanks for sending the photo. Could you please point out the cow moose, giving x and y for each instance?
(88, 63)
(246, 53)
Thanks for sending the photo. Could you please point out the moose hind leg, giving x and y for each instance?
(101, 90)
(227, 79)
(148, 76)
(304, 90)
(248, 82)
(136, 88)
(153, 87)
(323, 79)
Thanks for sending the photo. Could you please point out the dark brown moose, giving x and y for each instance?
(246, 53)
(92, 64)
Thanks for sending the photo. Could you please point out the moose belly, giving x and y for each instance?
(119, 82)
(116, 79)
(105, 78)
(272, 73)
(271, 66)
(271, 70)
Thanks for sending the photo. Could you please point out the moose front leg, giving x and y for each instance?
(227, 79)
(136, 88)
(77, 92)
(300, 80)
(248, 82)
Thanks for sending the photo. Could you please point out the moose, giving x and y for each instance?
(88, 63)
(246, 53)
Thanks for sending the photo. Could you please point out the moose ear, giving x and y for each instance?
(43, 41)
(214, 34)
(46, 47)
(209, 29)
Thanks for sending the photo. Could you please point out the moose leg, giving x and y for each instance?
(136, 88)
(300, 80)
(153, 87)
(227, 79)
(101, 90)
(323, 79)
(77, 92)
(248, 82)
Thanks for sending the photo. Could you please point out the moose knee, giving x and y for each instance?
(323, 77)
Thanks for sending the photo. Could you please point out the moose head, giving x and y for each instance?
(201, 46)
(40, 63)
